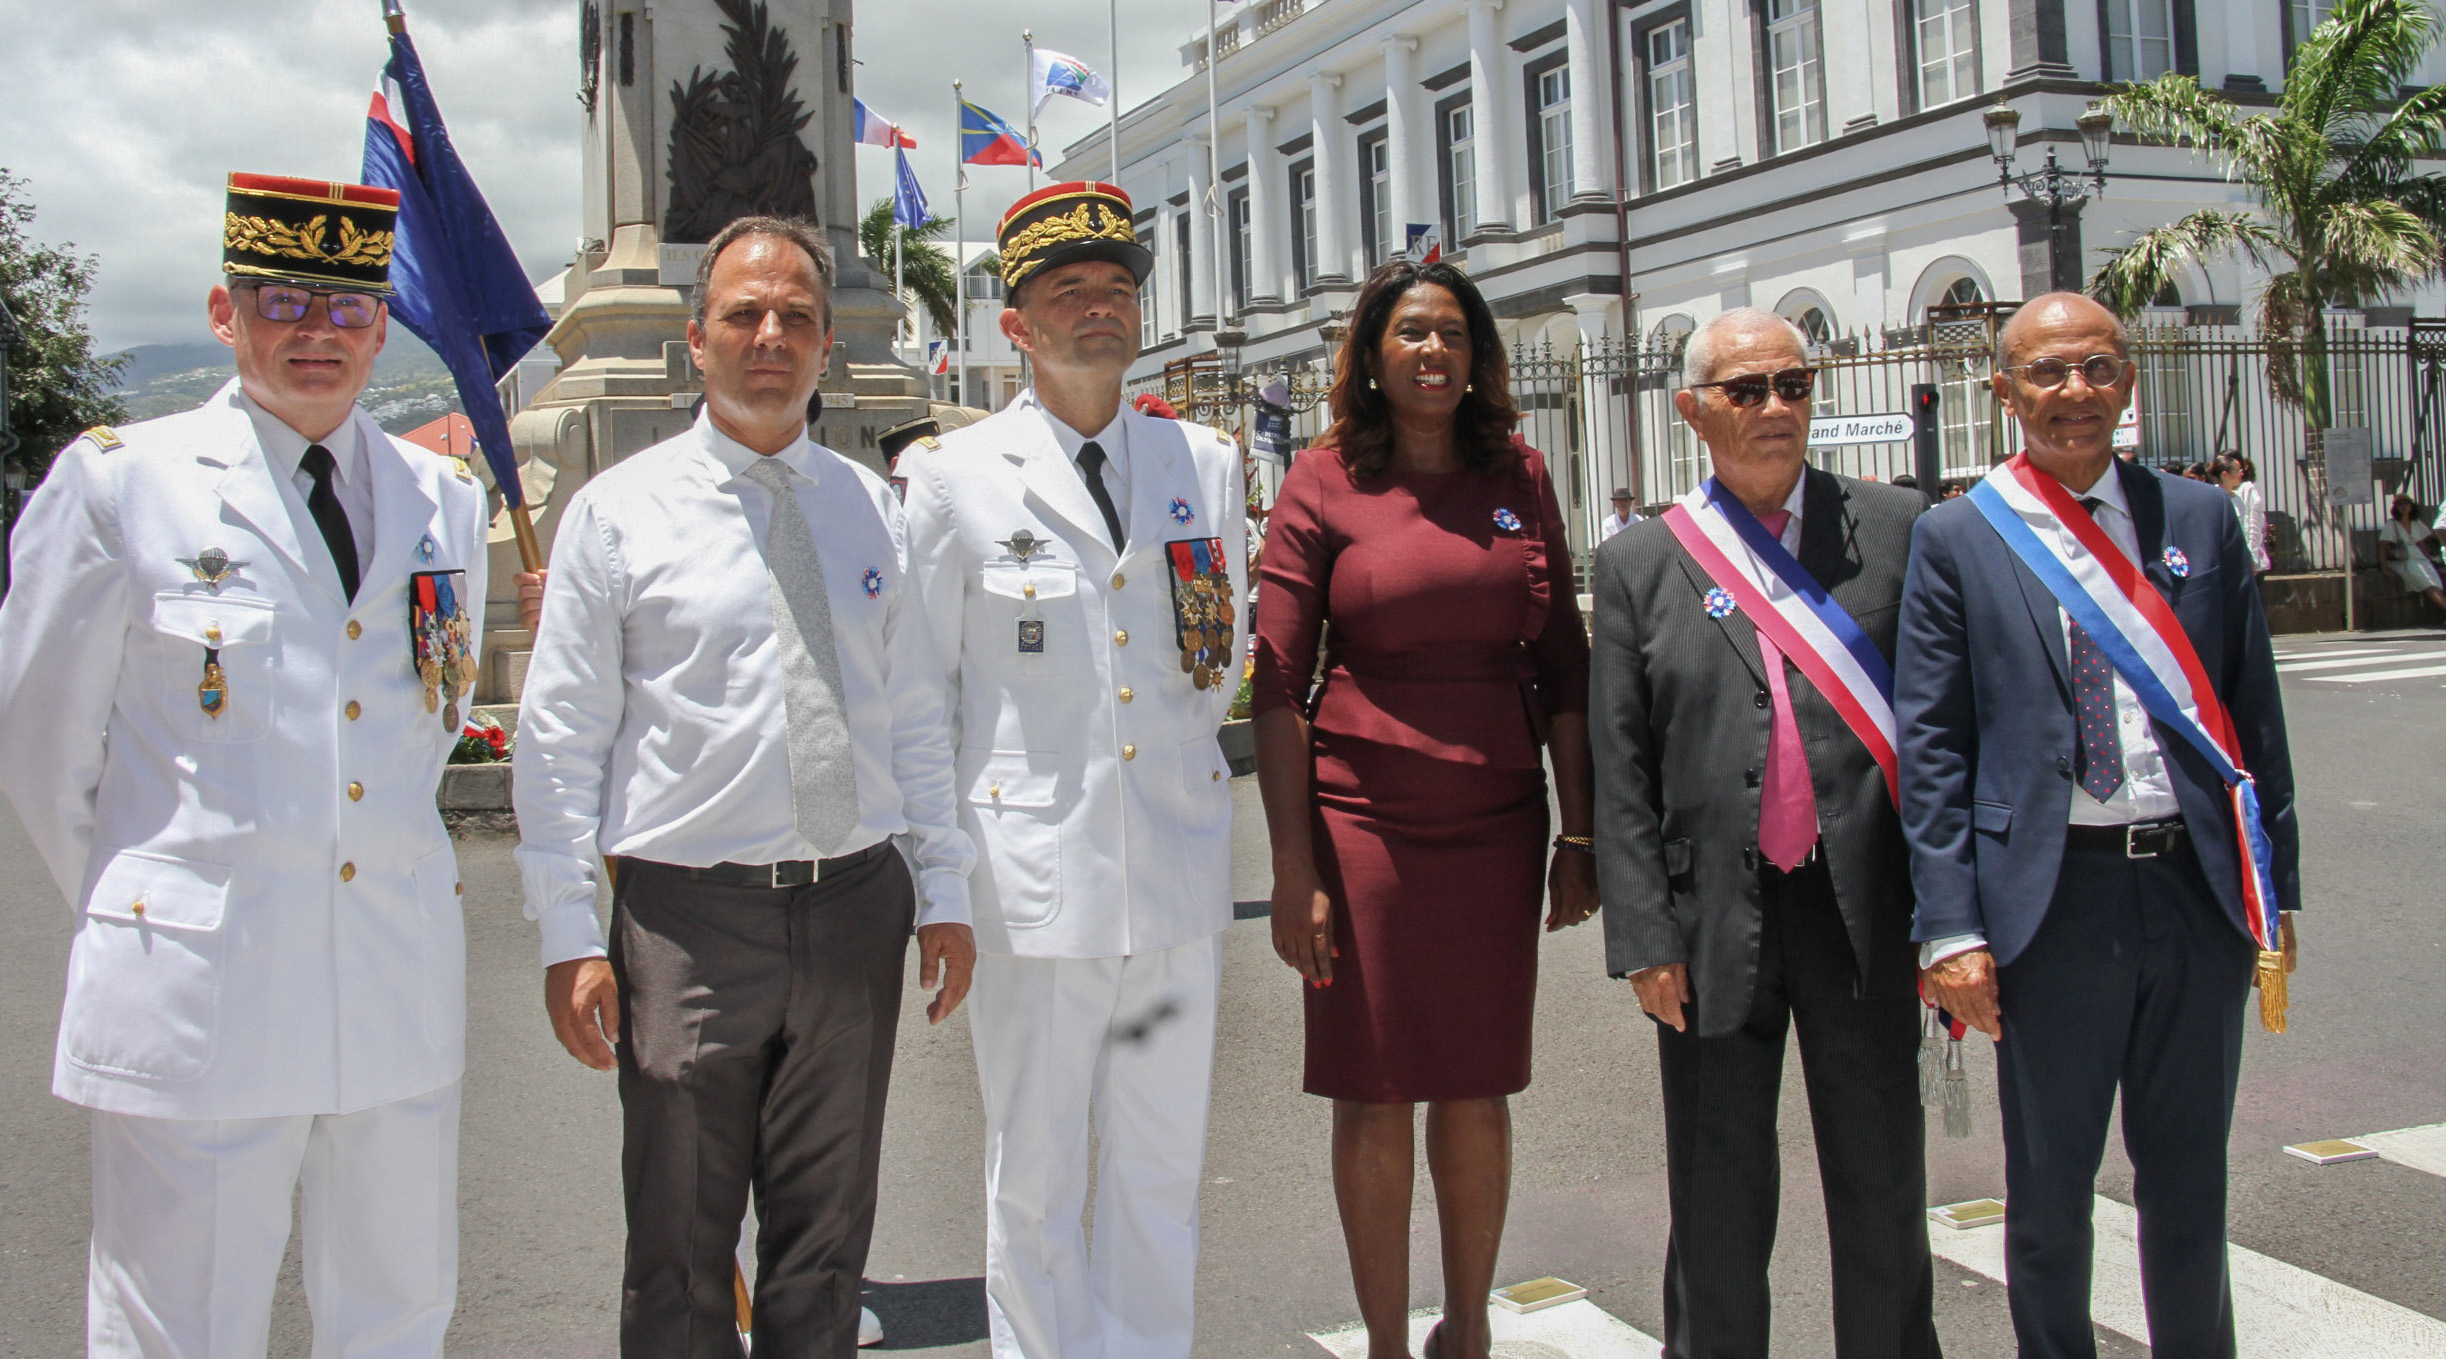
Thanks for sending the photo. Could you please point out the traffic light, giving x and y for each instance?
(1928, 455)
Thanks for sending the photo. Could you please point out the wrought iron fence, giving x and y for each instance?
(1603, 414)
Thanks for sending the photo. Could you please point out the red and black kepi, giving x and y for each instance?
(309, 232)
(1066, 223)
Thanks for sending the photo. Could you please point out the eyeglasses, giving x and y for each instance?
(348, 311)
(2098, 370)
(1749, 389)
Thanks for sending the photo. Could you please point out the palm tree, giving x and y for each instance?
(2343, 217)
(925, 268)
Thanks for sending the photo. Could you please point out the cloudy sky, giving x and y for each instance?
(125, 116)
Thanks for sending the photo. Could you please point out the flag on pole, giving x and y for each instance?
(1058, 73)
(459, 286)
(869, 130)
(987, 140)
(908, 200)
(1426, 243)
(938, 357)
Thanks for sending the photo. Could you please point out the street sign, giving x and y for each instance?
(2127, 429)
(2348, 467)
(1840, 431)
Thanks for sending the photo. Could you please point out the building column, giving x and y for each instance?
(1590, 173)
(1203, 294)
(1501, 154)
(2040, 45)
(1265, 224)
(1611, 459)
(1333, 196)
(1402, 127)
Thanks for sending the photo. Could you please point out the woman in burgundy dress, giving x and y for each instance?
(1407, 797)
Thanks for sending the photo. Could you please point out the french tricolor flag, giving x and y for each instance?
(871, 130)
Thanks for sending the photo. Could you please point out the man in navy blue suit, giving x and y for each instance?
(2082, 896)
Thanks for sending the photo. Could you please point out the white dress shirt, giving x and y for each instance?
(1616, 523)
(284, 449)
(653, 722)
(1114, 439)
(2147, 791)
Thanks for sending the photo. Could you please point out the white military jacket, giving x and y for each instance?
(1088, 768)
(267, 904)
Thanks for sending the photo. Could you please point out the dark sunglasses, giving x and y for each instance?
(287, 305)
(1749, 389)
(2098, 370)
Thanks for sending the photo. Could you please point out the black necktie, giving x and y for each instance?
(2093, 703)
(324, 503)
(1091, 465)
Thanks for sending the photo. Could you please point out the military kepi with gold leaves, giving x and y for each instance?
(1066, 223)
(309, 232)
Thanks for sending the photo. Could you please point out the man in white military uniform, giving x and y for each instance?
(1079, 563)
(223, 730)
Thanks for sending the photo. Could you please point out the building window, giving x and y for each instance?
(1551, 98)
(1948, 51)
(2301, 16)
(1243, 251)
(1673, 136)
(1376, 198)
(1180, 246)
(1461, 172)
(1303, 213)
(1798, 81)
(2139, 39)
(1813, 324)
(1150, 305)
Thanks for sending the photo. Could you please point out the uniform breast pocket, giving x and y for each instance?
(221, 665)
(1038, 612)
(144, 976)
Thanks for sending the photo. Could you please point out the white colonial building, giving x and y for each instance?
(1621, 170)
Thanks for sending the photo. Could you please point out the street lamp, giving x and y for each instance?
(2053, 184)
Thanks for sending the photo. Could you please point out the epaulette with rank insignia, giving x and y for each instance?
(104, 438)
(929, 441)
(459, 469)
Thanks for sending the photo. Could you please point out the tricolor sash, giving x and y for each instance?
(2136, 629)
(1787, 604)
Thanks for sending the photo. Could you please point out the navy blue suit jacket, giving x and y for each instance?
(1983, 707)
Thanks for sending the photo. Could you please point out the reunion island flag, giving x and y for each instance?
(987, 140)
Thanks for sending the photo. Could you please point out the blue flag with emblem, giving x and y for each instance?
(459, 286)
(908, 201)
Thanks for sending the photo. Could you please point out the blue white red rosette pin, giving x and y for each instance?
(1720, 603)
(2176, 562)
(1181, 513)
(873, 581)
(1507, 521)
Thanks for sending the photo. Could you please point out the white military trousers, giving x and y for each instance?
(191, 1218)
(1132, 1039)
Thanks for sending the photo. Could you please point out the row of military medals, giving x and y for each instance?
(1202, 608)
(438, 630)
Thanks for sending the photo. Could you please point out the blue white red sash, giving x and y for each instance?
(1787, 604)
(2131, 622)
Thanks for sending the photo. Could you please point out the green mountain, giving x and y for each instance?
(410, 386)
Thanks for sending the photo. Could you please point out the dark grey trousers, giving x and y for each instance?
(756, 1029)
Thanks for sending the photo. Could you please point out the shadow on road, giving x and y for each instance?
(928, 1314)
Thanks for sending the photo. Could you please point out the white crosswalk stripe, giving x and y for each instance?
(2380, 659)
(1574, 1330)
(2422, 1148)
(2279, 1309)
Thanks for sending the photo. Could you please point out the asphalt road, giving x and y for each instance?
(540, 1209)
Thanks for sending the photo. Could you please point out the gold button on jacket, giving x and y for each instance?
(348, 872)
(352, 710)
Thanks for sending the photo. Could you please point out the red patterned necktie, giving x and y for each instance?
(1787, 805)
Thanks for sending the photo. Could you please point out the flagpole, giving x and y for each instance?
(959, 255)
(1112, 101)
(1027, 40)
(395, 15)
(1214, 165)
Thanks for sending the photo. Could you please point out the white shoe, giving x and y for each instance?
(870, 1328)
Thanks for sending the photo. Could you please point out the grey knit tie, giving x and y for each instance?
(823, 778)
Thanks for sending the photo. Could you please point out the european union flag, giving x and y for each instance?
(908, 201)
(459, 287)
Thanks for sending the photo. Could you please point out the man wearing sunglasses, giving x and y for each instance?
(1752, 866)
(229, 678)
(2082, 891)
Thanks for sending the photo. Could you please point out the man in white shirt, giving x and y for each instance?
(1622, 517)
(734, 699)
(216, 725)
(1079, 563)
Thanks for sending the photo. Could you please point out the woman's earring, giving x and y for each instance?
(1371, 384)
(1468, 387)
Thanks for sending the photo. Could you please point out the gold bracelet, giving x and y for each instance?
(1582, 843)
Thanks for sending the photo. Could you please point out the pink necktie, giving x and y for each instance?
(1787, 805)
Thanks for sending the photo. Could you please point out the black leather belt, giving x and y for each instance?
(788, 873)
(2146, 840)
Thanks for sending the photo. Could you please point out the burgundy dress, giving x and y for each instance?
(1455, 639)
